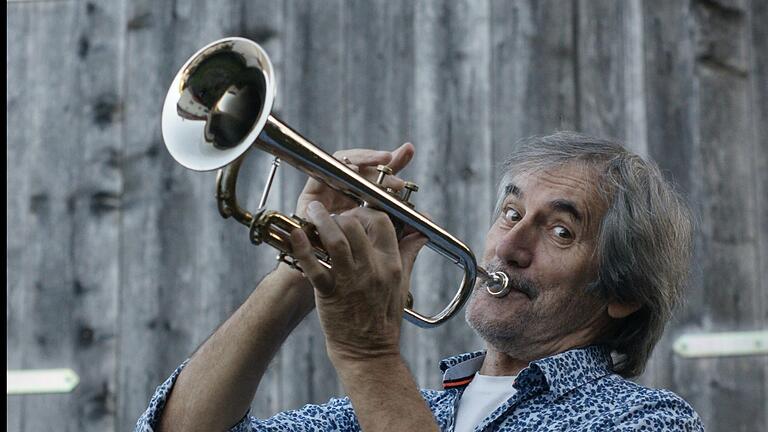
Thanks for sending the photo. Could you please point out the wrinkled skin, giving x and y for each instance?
(549, 253)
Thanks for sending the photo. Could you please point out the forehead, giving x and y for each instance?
(576, 183)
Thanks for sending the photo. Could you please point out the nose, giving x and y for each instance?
(515, 247)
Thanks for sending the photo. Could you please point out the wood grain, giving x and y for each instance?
(119, 265)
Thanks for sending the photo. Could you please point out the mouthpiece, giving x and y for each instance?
(496, 283)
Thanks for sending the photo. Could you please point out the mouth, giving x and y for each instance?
(517, 288)
(516, 283)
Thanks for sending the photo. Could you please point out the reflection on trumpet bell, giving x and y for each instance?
(226, 93)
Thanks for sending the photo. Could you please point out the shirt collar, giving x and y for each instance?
(459, 370)
(561, 373)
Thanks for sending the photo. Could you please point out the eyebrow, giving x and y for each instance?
(558, 205)
(512, 189)
(566, 206)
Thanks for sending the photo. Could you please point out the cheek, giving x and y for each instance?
(491, 240)
(566, 279)
(568, 264)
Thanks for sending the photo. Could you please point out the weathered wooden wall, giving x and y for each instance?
(119, 265)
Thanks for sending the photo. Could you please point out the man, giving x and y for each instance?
(596, 245)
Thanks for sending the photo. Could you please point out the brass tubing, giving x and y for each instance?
(226, 193)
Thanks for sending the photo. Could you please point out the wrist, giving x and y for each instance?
(290, 275)
(288, 285)
(356, 363)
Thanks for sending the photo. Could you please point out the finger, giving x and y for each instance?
(356, 158)
(333, 239)
(407, 229)
(378, 228)
(410, 246)
(354, 168)
(318, 275)
(390, 181)
(367, 160)
(364, 157)
(359, 244)
(401, 156)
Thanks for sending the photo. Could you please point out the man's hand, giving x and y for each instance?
(360, 303)
(360, 300)
(364, 162)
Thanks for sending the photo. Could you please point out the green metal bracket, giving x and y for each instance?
(722, 344)
(41, 381)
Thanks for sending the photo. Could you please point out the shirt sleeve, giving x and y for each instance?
(335, 415)
(670, 413)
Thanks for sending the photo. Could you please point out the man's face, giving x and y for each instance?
(545, 239)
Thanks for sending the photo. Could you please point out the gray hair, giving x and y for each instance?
(645, 239)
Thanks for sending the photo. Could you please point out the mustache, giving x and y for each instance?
(516, 282)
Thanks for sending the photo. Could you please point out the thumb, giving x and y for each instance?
(410, 245)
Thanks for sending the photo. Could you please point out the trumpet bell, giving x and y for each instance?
(218, 104)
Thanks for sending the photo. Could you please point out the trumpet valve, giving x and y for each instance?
(288, 259)
(383, 172)
(409, 188)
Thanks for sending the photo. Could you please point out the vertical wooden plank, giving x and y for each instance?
(23, 255)
(610, 71)
(378, 58)
(379, 67)
(452, 134)
(67, 91)
(264, 22)
(190, 267)
(219, 248)
(154, 338)
(671, 120)
(728, 239)
(757, 17)
(97, 204)
(669, 86)
(311, 94)
(533, 71)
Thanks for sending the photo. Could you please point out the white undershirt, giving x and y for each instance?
(481, 397)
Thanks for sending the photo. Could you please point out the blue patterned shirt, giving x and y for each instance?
(574, 390)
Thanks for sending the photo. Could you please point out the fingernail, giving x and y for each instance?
(297, 237)
(314, 207)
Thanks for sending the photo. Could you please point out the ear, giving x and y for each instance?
(622, 310)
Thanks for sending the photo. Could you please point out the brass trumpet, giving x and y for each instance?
(219, 107)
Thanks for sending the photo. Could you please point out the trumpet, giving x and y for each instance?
(219, 106)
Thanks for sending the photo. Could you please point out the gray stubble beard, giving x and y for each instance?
(507, 337)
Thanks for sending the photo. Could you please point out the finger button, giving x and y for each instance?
(409, 188)
(383, 172)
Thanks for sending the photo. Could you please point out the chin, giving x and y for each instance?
(492, 324)
(499, 322)
(501, 339)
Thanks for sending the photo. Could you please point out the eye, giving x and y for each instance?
(512, 215)
(563, 233)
